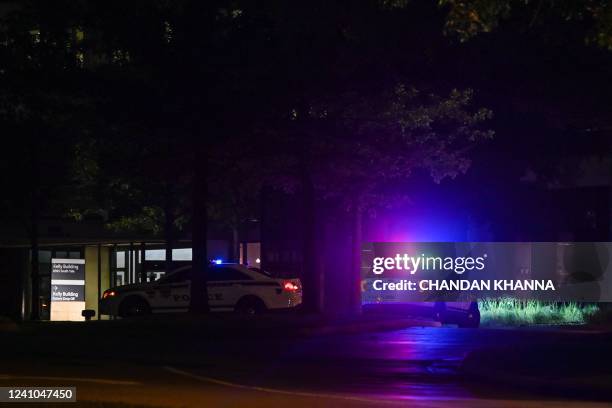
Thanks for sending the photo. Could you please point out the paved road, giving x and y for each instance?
(416, 367)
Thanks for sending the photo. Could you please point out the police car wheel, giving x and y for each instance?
(250, 306)
(134, 306)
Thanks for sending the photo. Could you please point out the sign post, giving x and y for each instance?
(67, 289)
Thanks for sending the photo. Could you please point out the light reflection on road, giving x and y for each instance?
(412, 363)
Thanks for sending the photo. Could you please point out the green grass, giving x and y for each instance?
(516, 312)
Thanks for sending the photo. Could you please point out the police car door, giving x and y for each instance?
(226, 285)
(171, 293)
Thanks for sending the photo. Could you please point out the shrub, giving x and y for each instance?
(517, 312)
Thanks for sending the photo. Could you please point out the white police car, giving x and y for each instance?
(231, 287)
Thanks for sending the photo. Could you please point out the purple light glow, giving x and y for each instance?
(416, 226)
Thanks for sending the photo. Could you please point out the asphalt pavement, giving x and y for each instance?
(413, 366)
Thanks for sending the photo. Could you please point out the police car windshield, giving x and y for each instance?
(259, 270)
(238, 266)
(216, 272)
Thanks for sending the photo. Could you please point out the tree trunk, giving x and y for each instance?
(35, 227)
(199, 290)
(34, 264)
(235, 252)
(263, 220)
(169, 229)
(312, 287)
(356, 236)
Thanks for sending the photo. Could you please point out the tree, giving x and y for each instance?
(593, 18)
(160, 61)
(361, 145)
(236, 178)
(43, 111)
(325, 73)
(134, 178)
(206, 72)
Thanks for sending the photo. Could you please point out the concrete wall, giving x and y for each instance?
(91, 275)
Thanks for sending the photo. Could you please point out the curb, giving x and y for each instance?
(354, 327)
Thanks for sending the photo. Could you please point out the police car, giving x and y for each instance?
(231, 287)
(463, 314)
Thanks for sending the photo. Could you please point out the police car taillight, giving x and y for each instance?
(290, 286)
(108, 293)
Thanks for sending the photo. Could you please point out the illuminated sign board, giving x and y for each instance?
(67, 289)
